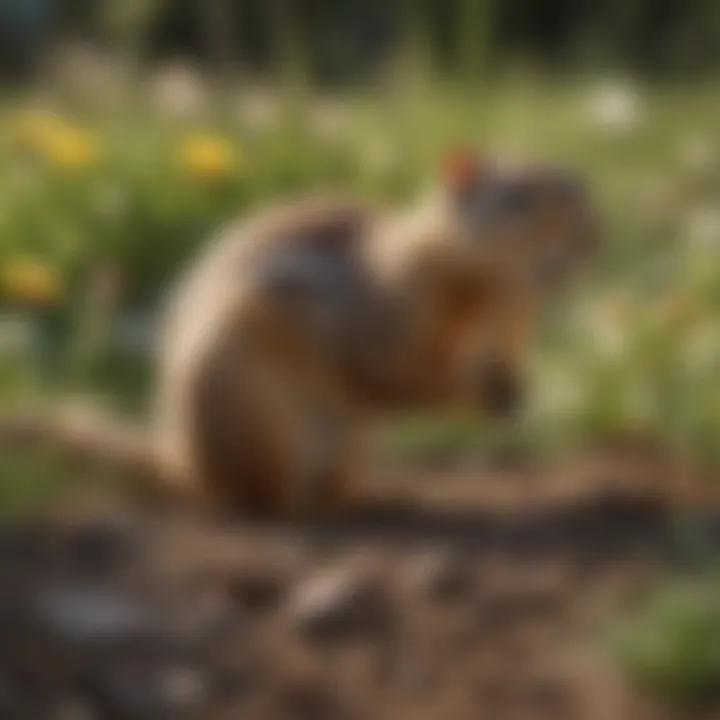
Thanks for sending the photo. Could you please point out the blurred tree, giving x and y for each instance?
(473, 36)
(344, 39)
(218, 21)
(126, 23)
(24, 27)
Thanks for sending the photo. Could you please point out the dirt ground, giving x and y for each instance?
(481, 594)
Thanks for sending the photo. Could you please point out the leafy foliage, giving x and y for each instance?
(669, 644)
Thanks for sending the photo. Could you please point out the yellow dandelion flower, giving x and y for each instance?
(207, 157)
(32, 281)
(72, 148)
(60, 143)
(33, 129)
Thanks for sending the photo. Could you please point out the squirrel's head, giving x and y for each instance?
(538, 216)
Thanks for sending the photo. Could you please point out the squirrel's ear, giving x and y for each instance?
(462, 168)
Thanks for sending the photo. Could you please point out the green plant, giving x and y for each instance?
(670, 642)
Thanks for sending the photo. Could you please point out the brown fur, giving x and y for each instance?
(294, 330)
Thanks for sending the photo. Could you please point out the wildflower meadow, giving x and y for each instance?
(559, 563)
(100, 209)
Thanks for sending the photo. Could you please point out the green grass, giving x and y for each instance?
(635, 344)
(668, 643)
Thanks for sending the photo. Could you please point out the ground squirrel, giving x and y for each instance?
(297, 327)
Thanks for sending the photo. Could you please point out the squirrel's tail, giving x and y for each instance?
(88, 438)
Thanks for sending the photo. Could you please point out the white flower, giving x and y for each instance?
(609, 339)
(697, 152)
(559, 392)
(179, 91)
(258, 109)
(378, 155)
(19, 335)
(83, 69)
(703, 228)
(604, 325)
(702, 349)
(329, 120)
(615, 107)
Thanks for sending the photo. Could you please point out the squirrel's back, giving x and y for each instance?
(306, 246)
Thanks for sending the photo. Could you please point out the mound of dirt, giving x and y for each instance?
(484, 597)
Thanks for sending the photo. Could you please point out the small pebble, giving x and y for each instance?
(342, 603)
